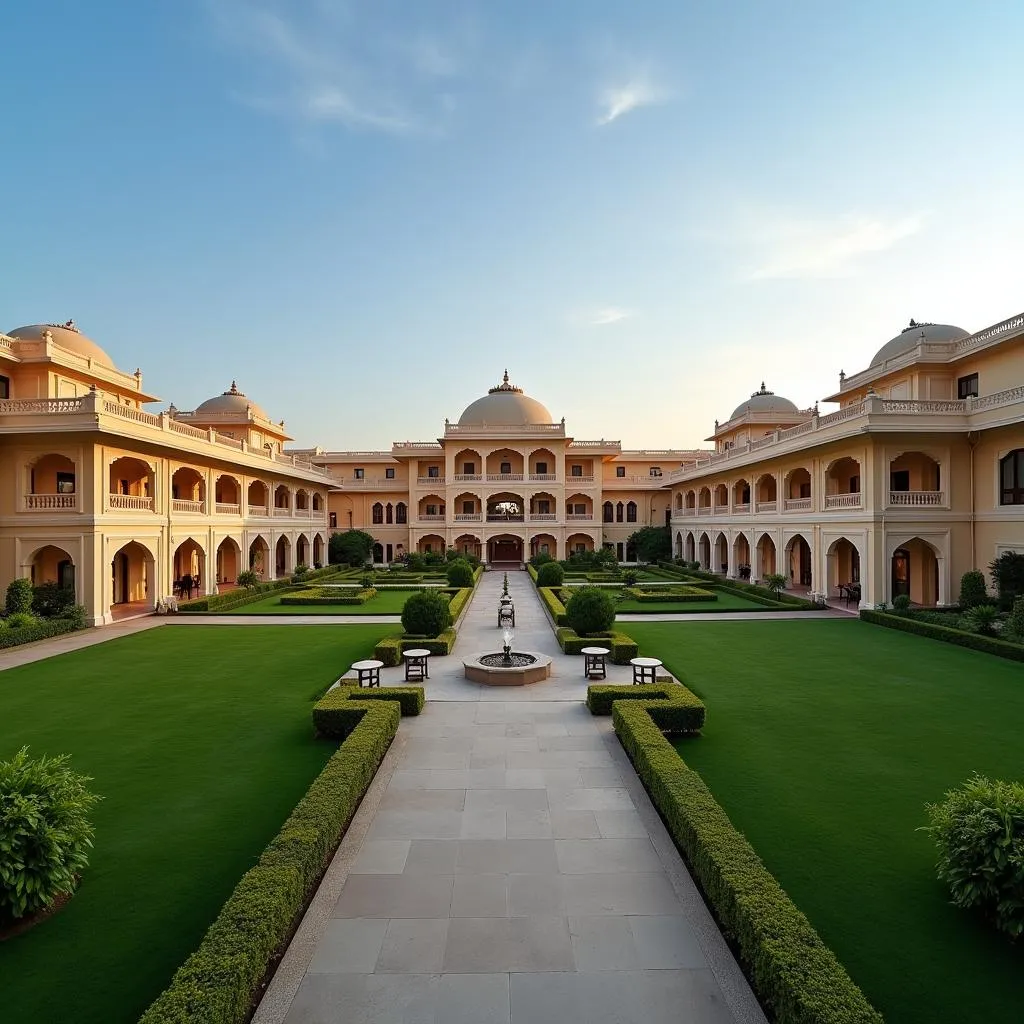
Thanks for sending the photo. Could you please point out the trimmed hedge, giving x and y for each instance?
(332, 714)
(459, 601)
(949, 635)
(219, 981)
(532, 570)
(621, 647)
(389, 650)
(553, 603)
(318, 596)
(664, 595)
(683, 710)
(797, 978)
(43, 630)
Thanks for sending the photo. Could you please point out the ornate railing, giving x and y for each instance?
(131, 502)
(468, 517)
(279, 513)
(741, 509)
(767, 506)
(543, 517)
(431, 519)
(229, 508)
(538, 478)
(187, 505)
(917, 499)
(842, 501)
(45, 406)
(430, 481)
(468, 478)
(797, 504)
(504, 478)
(505, 517)
(260, 511)
(50, 502)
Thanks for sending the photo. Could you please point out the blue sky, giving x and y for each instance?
(364, 211)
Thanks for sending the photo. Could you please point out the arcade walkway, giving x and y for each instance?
(507, 866)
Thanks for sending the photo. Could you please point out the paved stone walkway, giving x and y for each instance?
(507, 866)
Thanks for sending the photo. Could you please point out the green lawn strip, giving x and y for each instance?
(725, 603)
(386, 602)
(200, 741)
(824, 739)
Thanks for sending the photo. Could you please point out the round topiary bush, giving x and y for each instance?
(45, 833)
(19, 596)
(460, 573)
(979, 832)
(972, 589)
(550, 574)
(426, 613)
(590, 610)
(19, 620)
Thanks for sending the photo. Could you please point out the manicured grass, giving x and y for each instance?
(200, 741)
(385, 602)
(725, 603)
(824, 740)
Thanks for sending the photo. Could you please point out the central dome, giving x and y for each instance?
(764, 401)
(505, 406)
(231, 403)
(69, 337)
(907, 339)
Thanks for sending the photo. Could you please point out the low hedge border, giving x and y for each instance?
(318, 596)
(797, 978)
(219, 981)
(621, 647)
(678, 710)
(666, 595)
(249, 595)
(389, 650)
(459, 601)
(947, 634)
(749, 590)
(553, 603)
(332, 713)
(43, 630)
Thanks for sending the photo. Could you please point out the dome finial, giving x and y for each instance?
(504, 379)
(763, 391)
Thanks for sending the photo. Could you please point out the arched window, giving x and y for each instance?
(609, 513)
(378, 512)
(1011, 478)
(618, 512)
(400, 512)
(389, 513)
(631, 514)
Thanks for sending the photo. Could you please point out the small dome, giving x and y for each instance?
(67, 336)
(764, 401)
(505, 406)
(231, 403)
(908, 338)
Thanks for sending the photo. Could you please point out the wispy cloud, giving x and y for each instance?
(318, 62)
(618, 100)
(804, 248)
(603, 316)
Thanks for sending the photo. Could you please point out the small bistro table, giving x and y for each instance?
(416, 664)
(594, 663)
(368, 672)
(645, 669)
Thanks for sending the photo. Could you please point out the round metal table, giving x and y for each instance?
(416, 664)
(645, 670)
(368, 672)
(594, 666)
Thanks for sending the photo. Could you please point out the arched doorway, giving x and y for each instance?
(505, 549)
(741, 556)
(318, 551)
(798, 561)
(378, 553)
(302, 551)
(690, 547)
(132, 575)
(51, 564)
(704, 548)
(468, 544)
(843, 560)
(229, 561)
(916, 570)
(189, 569)
(765, 556)
(677, 550)
(259, 557)
(721, 562)
(282, 556)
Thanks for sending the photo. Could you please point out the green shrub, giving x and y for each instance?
(631, 577)
(219, 981)
(45, 832)
(458, 602)
(621, 647)
(350, 547)
(389, 651)
(42, 630)
(460, 573)
(664, 595)
(427, 613)
(299, 571)
(416, 562)
(332, 714)
(776, 583)
(797, 978)
(539, 559)
(21, 620)
(989, 645)
(981, 619)
(553, 603)
(684, 711)
(550, 574)
(329, 595)
(901, 604)
(247, 579)
(50, 600)
(439, 645)
(1008, 575)
(1015, 623)
(979, 832)
(972, 589)
(19, 596)
(590, 610)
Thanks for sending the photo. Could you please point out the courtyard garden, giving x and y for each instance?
(383, 602)
(824, 741)
(199, 742)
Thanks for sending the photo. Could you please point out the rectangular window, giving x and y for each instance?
(542, 469)
(967, 387)
(332, 520)
(65, 483)
(620, 471)
(469, 469)
(389, 473)
(579, 510)
(5, 387)
(358, 474)
(854, 485)
(433, 471)
(899, 480)
(655, 470)
(505, 468)
(468, 508)
(576, 471)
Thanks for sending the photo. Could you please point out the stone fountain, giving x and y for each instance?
(508, 667)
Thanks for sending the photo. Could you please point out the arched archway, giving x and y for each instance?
(228, 561)
(318, 551)
(721, 554)
(741, 556)
(302, 551)
(690, 547)
(259, 498)
(227, 494)
(579, 542)
(378, 553)
(188, 568)
(799, 561)
(917, 568)
(843, 565)
(677, 550)
(741, 495)
(52, 483)
(468, 544)
(52, 564)
(282, 556)
(188, 490)
(704, 549)
(259, 557)
(431, 544)
(766, 560)
(131, 485)
(469, 466)
(505, 549)
(133, 579)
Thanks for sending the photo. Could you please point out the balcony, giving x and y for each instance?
(917, 499)
(430, 481)
(741, 509)
(49, 502)
(689, 511)
(186, 505)
(431, 519)
(468, 478)
(797, 504)
(842, 501)
(543, 517)
(131, 502)
(505, 517)
(542, 478)
(575, 481)
(259, 511)
(279, 513)
(720, 510)
(504, 478)
(767, 506)
(580, 517)
(469, 517)
(704, 510)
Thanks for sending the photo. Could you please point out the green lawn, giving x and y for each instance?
(199, 740)
(824, 740)
(725, 603)
(386, 602)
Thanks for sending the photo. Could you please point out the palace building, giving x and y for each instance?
(915, 478)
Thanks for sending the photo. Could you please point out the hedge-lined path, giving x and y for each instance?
(507, 866)
(722, 616)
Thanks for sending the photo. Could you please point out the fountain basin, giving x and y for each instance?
(512, 675)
